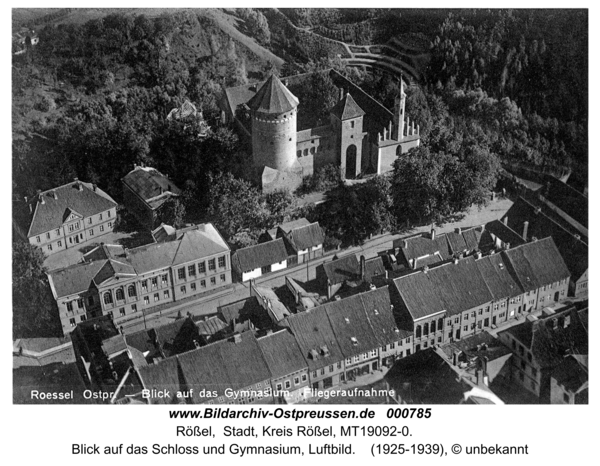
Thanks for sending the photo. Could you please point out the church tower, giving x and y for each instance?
(399, 103)
(273, 112)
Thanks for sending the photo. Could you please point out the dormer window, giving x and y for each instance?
(347, 320)
(354, 341)
(376, 312)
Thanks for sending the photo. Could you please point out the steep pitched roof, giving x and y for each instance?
(282, 353)
(378, 310)
(374, 267)
(350, 325)
(347, 108)
(74, 279)
(452, 287)
(148, 183)
(259, 255)
(481, 344)
(497, 277)
(422, 245)
(572, 373)
(304, 236)
(506, 234)
(105, 251)
(244, 310)
(317, 340)
(342, 269)
(273, 97)
(50, 215)
(536, 264)
(163, 375)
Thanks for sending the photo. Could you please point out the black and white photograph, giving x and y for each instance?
(276, 206)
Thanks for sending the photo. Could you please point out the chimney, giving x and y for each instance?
(362, 267)
(458, 230)
(506, 220)
(567, 321)
(482, 228)
(54, 194)
(478, 255)
(432, 234)
(237, 338)
(405, 244)
(426, 269)
(525, 227)
(480, 381)
(341, 93)
(40, 196)
(455, 358)
(455, 260)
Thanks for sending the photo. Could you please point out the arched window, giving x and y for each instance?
(299, 154)
(399, 150)
(312, 150)
(305, 152)
(440, 323)
(433, 327)
(120, 294)
(131, 291)
(108, 298)
(425, 329)
(418, 332)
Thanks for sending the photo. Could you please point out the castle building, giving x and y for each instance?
(362, 136)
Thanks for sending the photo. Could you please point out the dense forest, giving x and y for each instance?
(91, 100)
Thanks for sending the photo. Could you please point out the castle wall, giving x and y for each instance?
(274, 139)
(386, 155)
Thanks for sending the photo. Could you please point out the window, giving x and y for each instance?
(83, 318)
(314, 373)
(120, 295)
(456, 319)
(433, 327)
(211, 264)
(392, 345)
(193, 287)
(60, 244)
(331, 368)
(424, 344)
(109, 224)
(164, 279)
(351, 124)
(72, 322)
(466, 328)
(108, 214)
(146, 300)
(323, 371)
(202, 267)
(101, 227)
(296, 380)
(466, 317)
(222, 277)
(288, 384)
(91, 301)
(213, 281)
(373, 353)
(107, 298)
(348, 361)
(339, 365)
(70, 306)
(156, 297)
(304, 378)
(48, 235)
(166, 294)
(183, 290)
(473, 326)
(154, 282)
(222, 261)
(80, 303)
(131, 291)
(134, 308)
(122, 311)
(145, 285)
(480, 312)
(90, 221)
(203, 283)
(192, 270)
(49, 247)
(100, 217)
(418, 332)
(37, 239)
(426, 329)
(71, 227)
(279, 387)
(181, 273)
(356, 358)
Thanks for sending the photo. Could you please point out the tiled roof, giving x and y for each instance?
(302, 237)
(456, 241)
(452, 287)
(572, 373)
(374, 267)
(144, 341)
(315, 337)
(105, 251)
(244, 310)
(350, 326)
(282, 353)
(573, 250)
(273, 97)
(210, 325)
(51, 214)
(113, 269)
(177, 337)
(148, 183)
(163, 375)
(378, 309)
(342, 269)
(569, 200)
(482, 344)
(225, 364)
(275, 305)
(536, 264)
(497, 277)
(422, 245)
(347, 108)
(74, 279)
(259, 255)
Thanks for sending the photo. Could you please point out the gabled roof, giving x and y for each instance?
(273, 97)
(374, 268)
(282, 353)
(234, 363)
(244, 310)
(378, 310)
(113, 269)
(347, 108)
(536, 264)
(53, 212)
(572, 373)
(452, 287)
(303, 236)
(350, 326)
(342, 269)
(259, 255)
(210, 325)
(422, 245)
(148, 183)
(481, 344)
(317, 340)
(163, 375)
(499, 280)
(105, 251)
(74, 279)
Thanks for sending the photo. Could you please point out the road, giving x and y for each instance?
(239, 291)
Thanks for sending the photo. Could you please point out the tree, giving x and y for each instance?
(172, 212)
(35, 313)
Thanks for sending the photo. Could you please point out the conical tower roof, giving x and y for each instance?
(273, 97)
(347, 108)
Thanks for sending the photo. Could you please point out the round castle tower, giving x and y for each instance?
(273, 109)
